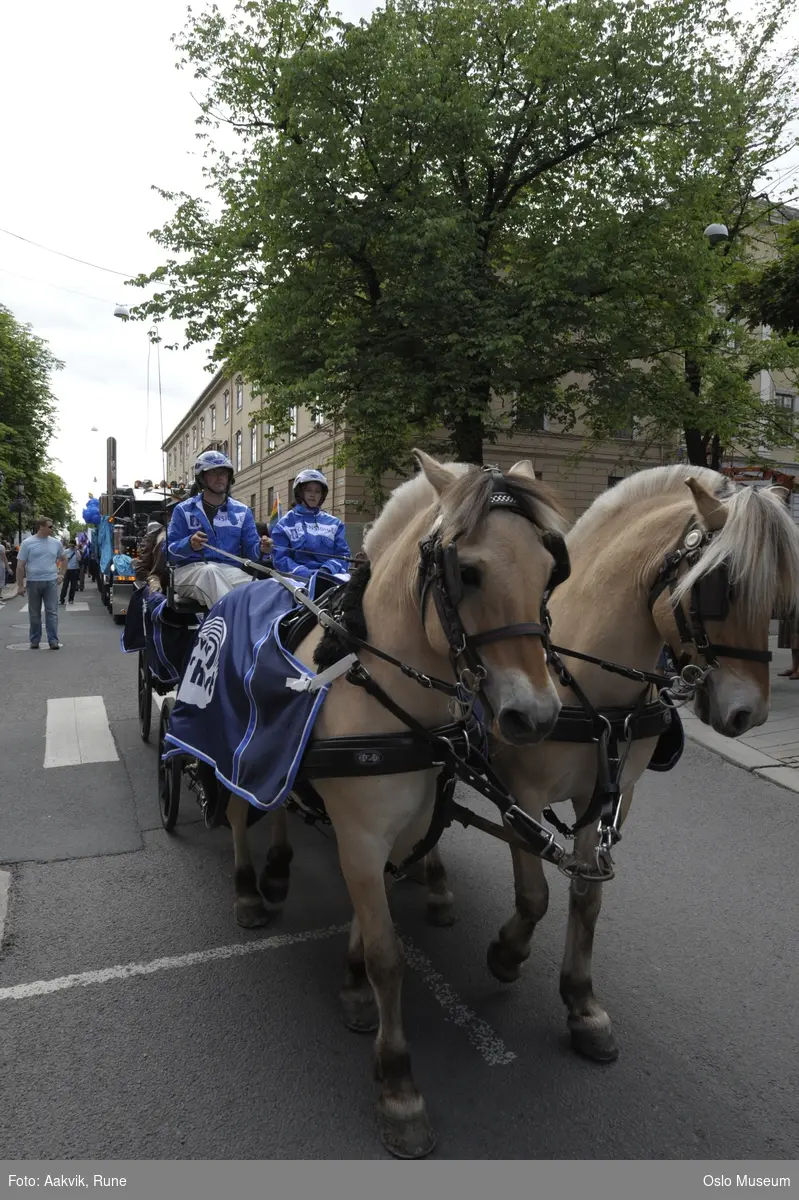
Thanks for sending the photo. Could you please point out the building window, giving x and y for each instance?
(238, 450)
(269, 434)
(270, 501)
(785, 419)
(239, 394)
(253, 444)
(225, 447)
(292, 422)
(226, 399)
(194, 437)
(252, 502)
(213, 418)
(318, 419)
(290, 492)
(202, 429)
(187, 445)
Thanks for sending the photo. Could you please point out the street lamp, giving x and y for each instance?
(716, 233)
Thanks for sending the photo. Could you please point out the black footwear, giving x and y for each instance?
(34, 645)
(55, 645)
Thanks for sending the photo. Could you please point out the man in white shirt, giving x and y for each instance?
(39, 562)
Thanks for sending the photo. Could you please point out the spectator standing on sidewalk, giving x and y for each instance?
(72, 572)
(40, 559)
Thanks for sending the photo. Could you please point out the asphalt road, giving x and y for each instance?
(244, 1054)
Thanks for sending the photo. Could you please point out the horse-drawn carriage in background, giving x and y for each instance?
(365, 703)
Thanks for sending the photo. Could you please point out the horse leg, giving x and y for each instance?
(248, 906)
(405, 1129)
(357, 997)
(589, 1024)
(274, 881)
(512, 946)
(440, 905)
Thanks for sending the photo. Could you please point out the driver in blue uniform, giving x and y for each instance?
(306, 539)
(209, 518)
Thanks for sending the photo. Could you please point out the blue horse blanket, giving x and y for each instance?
(245, 705)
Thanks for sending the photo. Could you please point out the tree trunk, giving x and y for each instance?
(467, 440)
(715, 453)
(696, 444)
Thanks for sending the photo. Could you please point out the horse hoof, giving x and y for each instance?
(501, 966)
(443, 916)
(252, 915)
(598, 1045)
(360, 1015)
(412, 1138)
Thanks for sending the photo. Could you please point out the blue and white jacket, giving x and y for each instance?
(307, 540)
(233, 530)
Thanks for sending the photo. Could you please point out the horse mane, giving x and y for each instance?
(644, 485)
(758, 544)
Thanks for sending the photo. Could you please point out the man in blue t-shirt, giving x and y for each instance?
(39, 562)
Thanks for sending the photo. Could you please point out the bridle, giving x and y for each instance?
(710, 600)
(440, 574)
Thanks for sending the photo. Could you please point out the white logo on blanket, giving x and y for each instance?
(199, 679)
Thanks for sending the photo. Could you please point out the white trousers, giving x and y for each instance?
(209, 581)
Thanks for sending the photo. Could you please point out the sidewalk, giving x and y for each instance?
(770, 751)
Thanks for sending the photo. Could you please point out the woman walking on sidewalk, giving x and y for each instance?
(72, 572)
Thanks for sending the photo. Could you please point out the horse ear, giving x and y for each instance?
(438, 474)
(781, 493)
(523, 467)
(711, 510)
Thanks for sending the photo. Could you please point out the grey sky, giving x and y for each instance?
(95, 114)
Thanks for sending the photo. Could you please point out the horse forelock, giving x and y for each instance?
(759, 546)
(467, 502)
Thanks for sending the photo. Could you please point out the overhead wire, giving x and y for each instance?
(61, 254)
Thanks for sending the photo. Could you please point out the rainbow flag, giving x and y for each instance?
(277, 511)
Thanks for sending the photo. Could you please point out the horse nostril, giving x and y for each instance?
(515, 725)
(740, 722)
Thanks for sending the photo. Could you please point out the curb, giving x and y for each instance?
(741, 755)
(5, 882)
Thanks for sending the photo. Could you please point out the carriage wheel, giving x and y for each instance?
(145, 685)
(169, 773)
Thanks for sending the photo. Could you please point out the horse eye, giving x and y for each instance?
(470, 577)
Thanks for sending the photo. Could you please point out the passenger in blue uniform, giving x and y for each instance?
(306, 539)
(211, 517)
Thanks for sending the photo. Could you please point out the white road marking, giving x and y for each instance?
(76, 606)
(487, 1043)
(78, 732)
(24, 608)
(5, 883)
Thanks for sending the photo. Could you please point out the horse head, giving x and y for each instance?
(740, 563)
(485, 547)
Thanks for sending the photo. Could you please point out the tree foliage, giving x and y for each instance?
(454, 201)
(27, 424)
(770, 296)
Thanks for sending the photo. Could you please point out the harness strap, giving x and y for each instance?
(525, 629)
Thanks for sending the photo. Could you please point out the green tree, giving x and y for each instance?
(27, 424)
(770, 296)
(455, 201)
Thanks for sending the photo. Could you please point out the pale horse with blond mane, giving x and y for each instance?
(381, 818)
(614, 607)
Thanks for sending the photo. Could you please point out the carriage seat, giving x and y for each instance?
(178, 603)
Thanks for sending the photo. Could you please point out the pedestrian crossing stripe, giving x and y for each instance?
(78, 732)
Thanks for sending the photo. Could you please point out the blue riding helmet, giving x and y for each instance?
(212, 460)
(310, 475)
